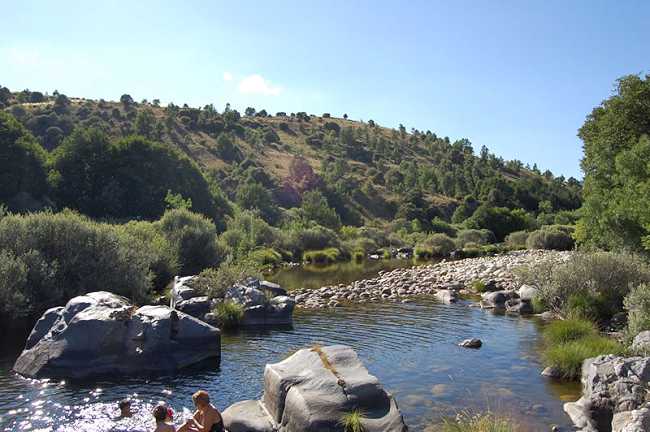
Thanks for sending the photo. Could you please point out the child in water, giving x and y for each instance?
(163, 421)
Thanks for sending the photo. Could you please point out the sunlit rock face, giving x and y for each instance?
(101, 333)
(314, 390)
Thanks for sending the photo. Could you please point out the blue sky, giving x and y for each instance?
(516, 76)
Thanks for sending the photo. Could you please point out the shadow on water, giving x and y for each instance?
(410, 347)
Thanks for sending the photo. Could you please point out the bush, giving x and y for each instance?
(568, 357)
(479, 286)
(563, 331)
(266, 256)
(637, 304)
(229, 314)
(194, 237)
(517, 240)
(440, 226)
(323, 256)
(436, 245)
(469, 422)
(301, 239)
(475, 236)
(500, 220)
(48, 258)
(604, 276)
(214, 282)
(550, 239)
(352, 421)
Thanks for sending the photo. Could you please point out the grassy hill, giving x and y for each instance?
(369, 174)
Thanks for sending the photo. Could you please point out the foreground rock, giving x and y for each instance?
(615, 395)
(311, 391)
(264, 303)
(471, 343)
(102, 333)
(444, 280)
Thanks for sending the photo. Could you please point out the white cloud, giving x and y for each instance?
(256, 84)
(227, 76)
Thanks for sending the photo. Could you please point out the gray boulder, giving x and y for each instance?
(527, 292)
(312, 390)
(101, 333)
(259, 309)
(641, 342)
(611, 385)
(197, 307)
(632, 421)
(519, 306)
(446, 296)
(471, 343)
(496, 299)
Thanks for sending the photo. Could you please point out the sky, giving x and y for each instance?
(516, 76)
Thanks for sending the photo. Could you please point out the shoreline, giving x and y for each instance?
(401, 285)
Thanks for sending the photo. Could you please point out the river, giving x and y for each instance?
(410, 347)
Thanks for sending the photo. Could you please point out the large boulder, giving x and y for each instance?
(262, 306)
(312, 391)
(101, 333)
(527, 292)
(641, 342)
(613, 388)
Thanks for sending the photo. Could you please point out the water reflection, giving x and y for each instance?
(410, 347)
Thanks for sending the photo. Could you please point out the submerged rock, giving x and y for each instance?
(312, 391)
(471, 343)
(101, 333)
(614, 388)
(447, 296)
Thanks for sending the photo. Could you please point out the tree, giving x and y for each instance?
(315, 208)
(126, 101)
(145, 123)
(617, 179)
(249, 112)
(226, 149)
(501, 221)
(22, 163)
(254, 196)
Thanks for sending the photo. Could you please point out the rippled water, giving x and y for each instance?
(409, 347)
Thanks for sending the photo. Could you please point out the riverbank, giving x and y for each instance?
(400, 285)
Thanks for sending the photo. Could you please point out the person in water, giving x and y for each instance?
(125, 408)
(161, 415)
(206, 418)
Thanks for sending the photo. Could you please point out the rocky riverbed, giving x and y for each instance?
(444, 279)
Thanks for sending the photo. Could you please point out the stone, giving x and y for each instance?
(101, 333)
(471, 343)
(272, 287)
(446, 296)
(312, 390)
(641, 342)
(527, 292)
(519, 306)
(260, 310)
(552, 372)
(197, 307)
(632, 421)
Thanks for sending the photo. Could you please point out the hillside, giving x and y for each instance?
(368, 173)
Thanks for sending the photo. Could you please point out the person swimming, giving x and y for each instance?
(206, 418)
(125, 408)
(163, 416)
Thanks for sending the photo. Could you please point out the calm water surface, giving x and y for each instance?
(410, 347)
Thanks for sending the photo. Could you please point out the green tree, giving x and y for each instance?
(254, 196)
(315, 208)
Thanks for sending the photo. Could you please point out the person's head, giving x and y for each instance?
(201, 399)
(159, 413)
(125, 407)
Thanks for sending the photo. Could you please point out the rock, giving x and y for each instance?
(519, 306)
(611, 385)
(197, 307)
(181, 290)
(447, 296)
(471, 343)
(260, 310)
(101, 333)
(552, 372)
(632, 421)
(312, 390)
(273, 288)
(641, 342)
(494, 299)
(527, 292)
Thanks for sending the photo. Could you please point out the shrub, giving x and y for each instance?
(323, 256)
(517, 239)
(479, 286)
(440, 226)
(604, 276)
(475, 236)
(637, 304)
(550, 239)
(435, 245)
(563, 331)
(314, 238)
(500, 220)
(194, 237)
(214, 282)
(352, 421)
(266, 256)
(568, 357)
(469, 422)
(229, 314)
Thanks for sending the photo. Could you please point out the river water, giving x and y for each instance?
(410, 347)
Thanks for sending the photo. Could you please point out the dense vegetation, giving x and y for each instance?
(177, 190)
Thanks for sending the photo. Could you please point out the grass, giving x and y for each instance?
(479, 286)
(229, 314)
(351, 421)
(568, 357)
(322, 256)
(266, 257)
(358, 255)
(485, 422)
(563, 331)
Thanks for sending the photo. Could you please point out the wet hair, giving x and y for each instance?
(160, 413)
(201, 397)
(123, 404)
